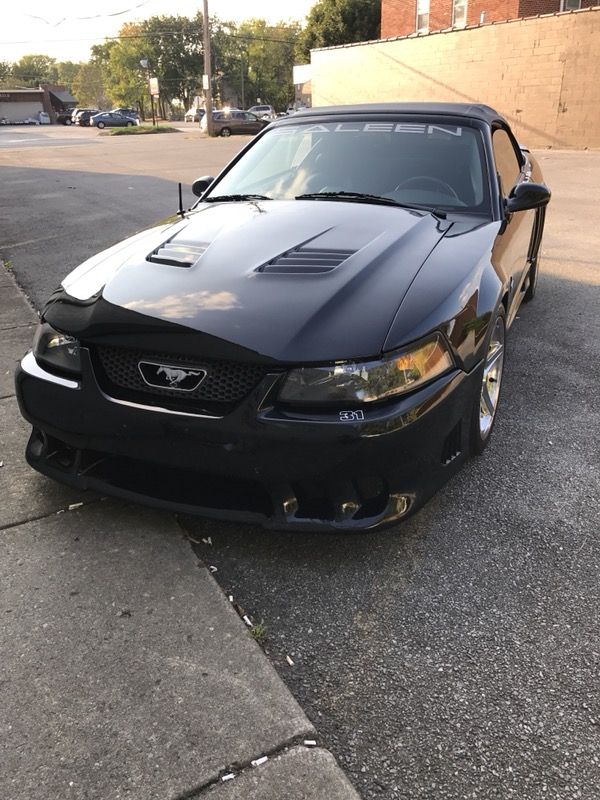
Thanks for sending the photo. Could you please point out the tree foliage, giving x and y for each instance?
(5, 72)
(269, 52)
(32, 70)
(335, 22)
(88, 86)
(250, 61)
(66, 73)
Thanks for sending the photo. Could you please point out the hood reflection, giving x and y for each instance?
(185, 306)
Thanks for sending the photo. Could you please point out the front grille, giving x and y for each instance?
(226, 382)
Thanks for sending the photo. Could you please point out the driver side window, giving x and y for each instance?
(507, 161)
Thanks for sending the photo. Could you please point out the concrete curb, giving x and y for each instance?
(126, 672)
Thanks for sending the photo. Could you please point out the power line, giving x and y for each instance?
(150, 35)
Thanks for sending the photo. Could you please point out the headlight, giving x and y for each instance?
(370, 381)
(56, 351)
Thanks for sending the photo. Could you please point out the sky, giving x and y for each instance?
(66, 29)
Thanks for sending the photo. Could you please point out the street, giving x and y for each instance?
(456, 655)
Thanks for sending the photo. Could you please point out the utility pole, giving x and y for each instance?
(207, 76)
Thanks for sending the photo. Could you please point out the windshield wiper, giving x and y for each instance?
(234, 198)
(370, 198)
(374, 198)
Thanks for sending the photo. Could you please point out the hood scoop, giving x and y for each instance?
(307, 261)
(177, 255)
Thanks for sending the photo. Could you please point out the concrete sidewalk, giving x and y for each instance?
(125, 671)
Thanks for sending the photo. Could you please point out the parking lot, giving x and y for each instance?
(457, 655)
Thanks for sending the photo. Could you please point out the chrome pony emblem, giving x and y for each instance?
(165, 376)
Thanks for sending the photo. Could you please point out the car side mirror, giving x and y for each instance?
(527, 196)
(200, 185)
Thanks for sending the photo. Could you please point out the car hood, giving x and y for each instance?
(294, 281)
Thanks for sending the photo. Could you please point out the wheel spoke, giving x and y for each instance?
(492, 375)
(494, 357)
(486, 399)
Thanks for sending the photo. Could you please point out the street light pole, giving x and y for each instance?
(242, 70)
(146, 65)
(207, 76)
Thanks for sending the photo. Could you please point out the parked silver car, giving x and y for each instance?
(112, 119)
(263, 112)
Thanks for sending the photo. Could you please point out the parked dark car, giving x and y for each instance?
(126, 112)
(64, 117)
(225, 123)
(318, 343)
(112, 119)
(84, 115)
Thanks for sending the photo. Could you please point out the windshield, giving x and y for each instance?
(432, 164)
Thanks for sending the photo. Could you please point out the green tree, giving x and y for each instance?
(88, 86)
(172, 46)
(269, 59)
(5, 73)
(334, 22)
(67, 72)
(123, 77)
(34, 69)
(174, 51)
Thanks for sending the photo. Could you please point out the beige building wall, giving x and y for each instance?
(542, 74)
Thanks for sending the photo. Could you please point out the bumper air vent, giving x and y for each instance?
(177, 255)
(306, 261)
(453, 445)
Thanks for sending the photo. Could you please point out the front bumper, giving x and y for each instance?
(257, 464)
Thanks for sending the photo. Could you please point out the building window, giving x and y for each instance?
(570, 5)
(422, 16)
(459, 13)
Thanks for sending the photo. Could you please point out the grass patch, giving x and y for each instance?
(259, 632)
(138, 130)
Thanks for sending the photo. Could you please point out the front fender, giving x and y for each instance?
(456, 291)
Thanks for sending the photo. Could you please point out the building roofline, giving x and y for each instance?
(457, 30)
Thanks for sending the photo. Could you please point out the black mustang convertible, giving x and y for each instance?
(318, 343)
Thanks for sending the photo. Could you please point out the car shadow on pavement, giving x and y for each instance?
(467, 631)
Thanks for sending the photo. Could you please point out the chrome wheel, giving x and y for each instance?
(491, 379)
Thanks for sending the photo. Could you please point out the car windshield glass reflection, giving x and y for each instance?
(433, 164)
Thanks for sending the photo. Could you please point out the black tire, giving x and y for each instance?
(225, 131)
(68, 121)
(533, 279)
(130, 124)
(487, 396)
(100, 125)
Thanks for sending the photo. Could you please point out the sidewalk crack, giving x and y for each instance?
(35, 518)
(237, 768)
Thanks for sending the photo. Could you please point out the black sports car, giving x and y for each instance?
(318, 343)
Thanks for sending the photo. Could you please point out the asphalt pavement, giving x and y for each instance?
(457, 655)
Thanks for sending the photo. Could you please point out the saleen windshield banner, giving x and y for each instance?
(417, 128)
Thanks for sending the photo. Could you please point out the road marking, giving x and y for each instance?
(19, 141)
(29, 241)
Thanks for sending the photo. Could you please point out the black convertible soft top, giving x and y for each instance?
(471, 110)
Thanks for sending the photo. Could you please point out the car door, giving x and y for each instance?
(511, 250)
(252, 124)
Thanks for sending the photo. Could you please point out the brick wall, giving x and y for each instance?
(542, 74)
(498, 10)
(398, 17)
(529, 8)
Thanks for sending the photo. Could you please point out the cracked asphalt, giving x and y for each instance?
(455, 656)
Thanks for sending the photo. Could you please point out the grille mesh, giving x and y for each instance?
(226, 382)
